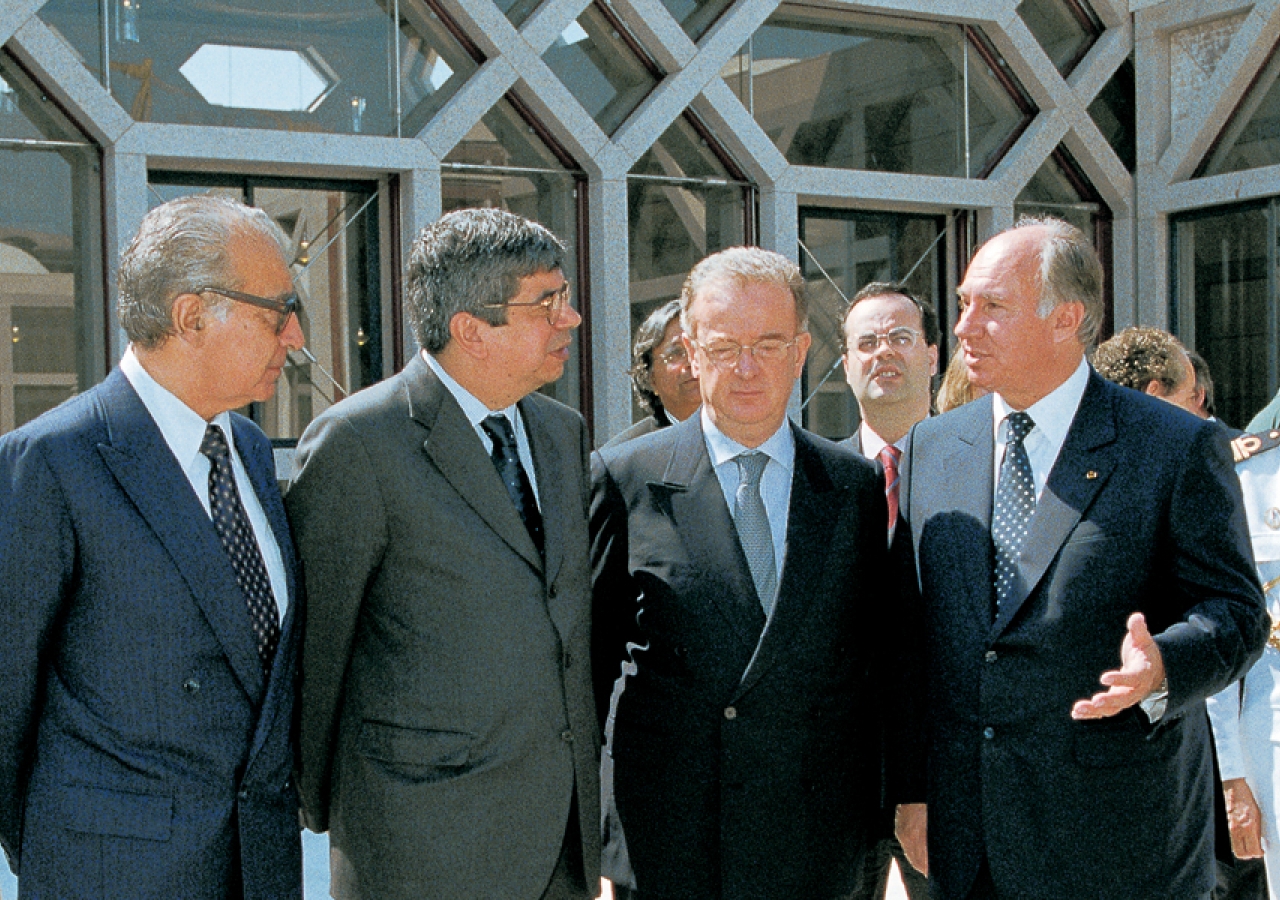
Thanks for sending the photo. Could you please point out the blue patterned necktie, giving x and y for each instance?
(752, 523)
(506, 459)
(238, 540)
(1014, 506)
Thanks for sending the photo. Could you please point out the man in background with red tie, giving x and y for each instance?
(890, 341)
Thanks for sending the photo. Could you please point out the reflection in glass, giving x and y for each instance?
(867, 92)
(344, 66)
(683, 204)
(599, 68)
(504, 163)
(518, 10)
(1066, 29)
(1059, 189)
(333, 233)
(1252, 136)
(1114, 112)
(854, 248)
(50, 254)
(696, 16)
(1225, 286)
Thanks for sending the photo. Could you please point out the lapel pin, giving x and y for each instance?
(1091, 474)
(1273, 518)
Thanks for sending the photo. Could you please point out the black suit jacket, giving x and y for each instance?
(1141, 513)
(745, 768)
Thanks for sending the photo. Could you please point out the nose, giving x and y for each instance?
(747, 365)
(569, 318)
(292, 336)
(965, 325)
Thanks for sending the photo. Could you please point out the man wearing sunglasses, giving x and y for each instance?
(148, 590)
(449, 737)
(741, 563)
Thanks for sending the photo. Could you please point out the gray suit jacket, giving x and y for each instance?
(447, 716)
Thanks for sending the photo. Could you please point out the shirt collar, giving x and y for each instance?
(475, 411)
(780, 447)
(1053, 412)
(182, 427)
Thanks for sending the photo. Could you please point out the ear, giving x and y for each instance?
(470, 335)
(689, 350)
(1154, 388)
(803, 340)
(189, 315)
(1066, 318)
(933, 360)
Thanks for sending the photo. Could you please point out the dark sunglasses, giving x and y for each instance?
(283, 307)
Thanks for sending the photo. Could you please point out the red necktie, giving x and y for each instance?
(889, 457)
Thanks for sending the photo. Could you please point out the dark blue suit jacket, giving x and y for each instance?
(1141, 513)
(142, 755)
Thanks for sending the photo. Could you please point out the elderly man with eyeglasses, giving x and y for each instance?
(149, 588)
(742, 563)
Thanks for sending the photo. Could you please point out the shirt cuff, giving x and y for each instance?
(1156, 702)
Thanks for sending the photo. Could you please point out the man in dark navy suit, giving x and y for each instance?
(147, 591)
(1055, 522)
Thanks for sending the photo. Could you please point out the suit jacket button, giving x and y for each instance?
(191, 686)
(567, 736)
(243, 795)
(551, 592)
(991, 656)
(730, 713)
(568, 660)
(989, 733)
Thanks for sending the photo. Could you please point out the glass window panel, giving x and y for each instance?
(32, 401)
(43, 339)
(600, 69)
(345, 66)
(1066, 34)
(1052, 192)
(334, 247)
(503, 163)
(1225, 285)
(1114, 112)
(696, 16)
(865, 92)
(855, 248)
(1252, 136)
(518, 10)
(51, 303)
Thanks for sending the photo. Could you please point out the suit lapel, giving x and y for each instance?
(455, 449)
(707, 532)
(557, 497)
(145, 468)
(1084, 465)
(814, 509)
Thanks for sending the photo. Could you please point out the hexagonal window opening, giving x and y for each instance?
(1066, 29)
(284, 80)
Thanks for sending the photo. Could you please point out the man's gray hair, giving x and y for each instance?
(741, 266)
(468, 260)
(181, 247)
(1070, 272)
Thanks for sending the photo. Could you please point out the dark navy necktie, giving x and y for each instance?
(232, 524)
(506, 459)
(1014, 506)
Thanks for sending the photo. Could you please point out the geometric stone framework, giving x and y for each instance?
(1139, 203)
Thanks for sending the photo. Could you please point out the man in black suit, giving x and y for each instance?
(1054, 522)
(890, 339)
(744, 560)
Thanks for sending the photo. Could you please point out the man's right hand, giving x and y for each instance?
(911, 826)
(1244, 819)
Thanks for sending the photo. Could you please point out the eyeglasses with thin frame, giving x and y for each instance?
(900, 339)
(284, 307)
(674, 355)
(726, 354)
(554, 302)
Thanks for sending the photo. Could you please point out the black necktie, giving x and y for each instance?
(506, 459)
(1015, 503)
(232, 524)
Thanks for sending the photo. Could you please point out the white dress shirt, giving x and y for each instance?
(476, 412)
(1052, 415)
(775, 483)
(183, 430)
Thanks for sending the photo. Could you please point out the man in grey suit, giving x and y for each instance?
(744, 562)
(449, 737)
